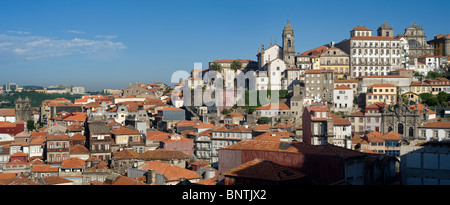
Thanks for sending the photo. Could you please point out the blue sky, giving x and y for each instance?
(109, 44)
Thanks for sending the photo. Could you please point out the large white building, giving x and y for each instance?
(343, 99)
(371, 55)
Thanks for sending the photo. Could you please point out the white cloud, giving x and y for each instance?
(75, 31)
(18, 32)
(25, 48)
(106, 36)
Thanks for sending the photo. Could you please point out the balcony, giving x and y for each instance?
(57, 150)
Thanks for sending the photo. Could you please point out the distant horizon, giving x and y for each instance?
(110, 44)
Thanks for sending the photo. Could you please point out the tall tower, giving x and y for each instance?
(288, 45)
(23, 109)
(385, 30)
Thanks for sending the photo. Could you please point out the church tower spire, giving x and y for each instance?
(288, 44)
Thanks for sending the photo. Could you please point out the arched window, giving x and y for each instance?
(411, 132)
(400, 128)
(289, 43)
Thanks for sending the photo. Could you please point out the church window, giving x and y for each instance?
(289, 43)
(400, 128)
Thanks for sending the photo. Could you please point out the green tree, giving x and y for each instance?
(425, 96)
(30, 125)
(443, 97)
(216, 67)
(225, 111)
(433, 75)
(263, 120)
(433, 101)
(236, 65)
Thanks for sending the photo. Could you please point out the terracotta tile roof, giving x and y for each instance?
(445, 125)
(376, 105)
(44, 168)
(170, 172)
(19, 154)
(317, 71)
(358, 139)
(392, 136)
(382, 85)
(38, 134)
(4, 176)
(421, 107)
(342, 87)
(262, 127)
(57, 137)
(337, 120)
(318, 108)
(126, 154)
(163, 155)
(157, 135)
(204, 125)
(53, 180)
(357, 114)
(274, 136)
(7, 112)
(73, 163)
(361, 28)
(239, 129)
(78, 136)
(294, 147)
(123, 180)
(265, 170)
(79, 149)
(76, 116)
(274, 106)
(18, 180)
(125, 131)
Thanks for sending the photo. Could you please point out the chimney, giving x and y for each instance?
(151, 175)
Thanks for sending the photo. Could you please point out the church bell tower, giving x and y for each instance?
(288, 45)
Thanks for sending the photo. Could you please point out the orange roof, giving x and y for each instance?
(274, 106)
(76, 116)
(169, 171)
(235, 114)
(157, 135)
(79, 149)
(357, 114)
(382, 85)
(73, 163)
(262, 127)
(337, 120)
(7, 112)
(318, 71)
(126, 154)
(437, 125)
(274, 136)
(265, 170)
(125, 131)
(421, 107)
(52, 180)
(44, 168)
(342, 87)
(361, 28)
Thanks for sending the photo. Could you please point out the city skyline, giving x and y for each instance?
(109, 44)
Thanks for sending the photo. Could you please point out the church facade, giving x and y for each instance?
(24, 111)
(417, 41)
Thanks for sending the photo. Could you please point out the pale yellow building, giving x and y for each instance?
(386, 93)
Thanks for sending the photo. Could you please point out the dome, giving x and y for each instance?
(385, 26)
(288, 27)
